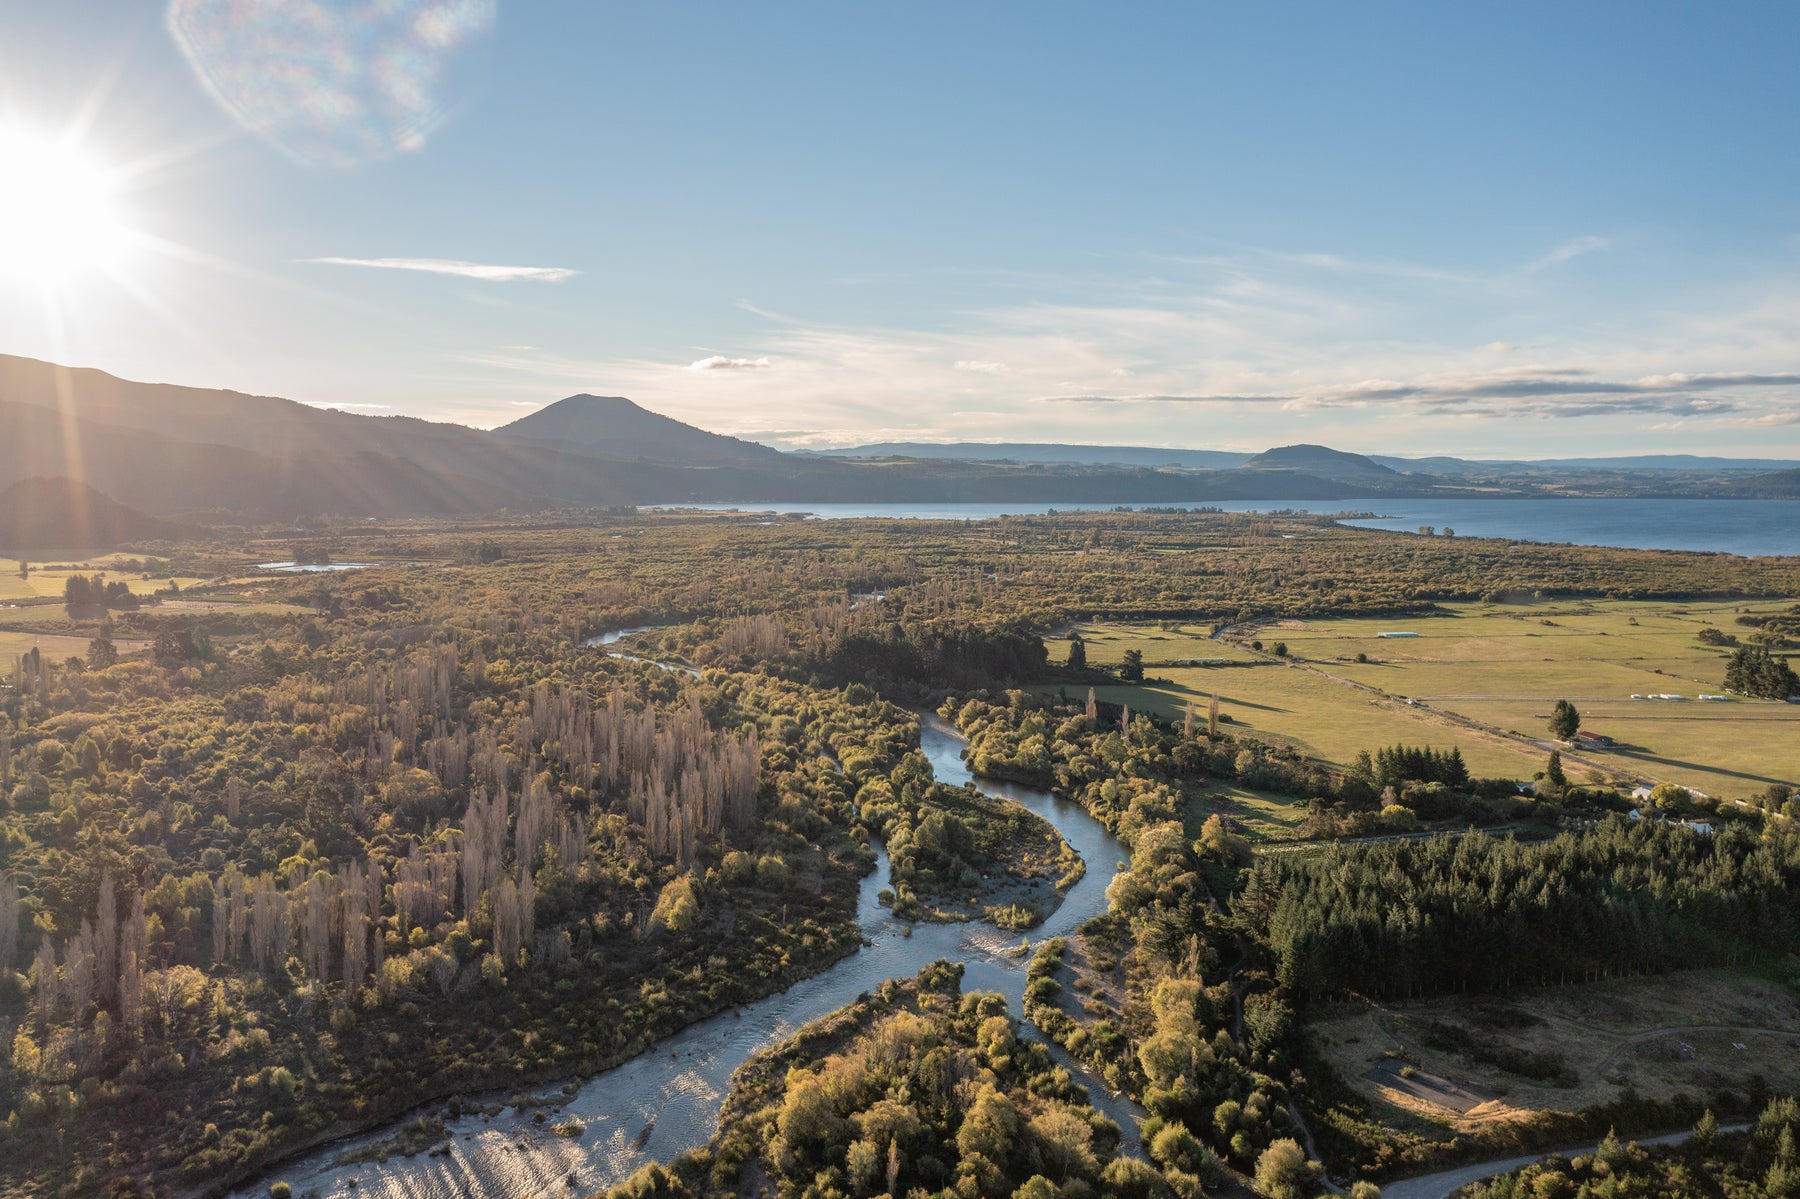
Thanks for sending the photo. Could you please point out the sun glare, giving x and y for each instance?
(59, 215)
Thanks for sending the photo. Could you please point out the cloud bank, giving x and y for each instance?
(718, 362)
(486, 272)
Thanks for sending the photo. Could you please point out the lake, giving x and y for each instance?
(1748, 527)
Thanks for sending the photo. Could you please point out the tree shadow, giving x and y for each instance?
(1639, 754)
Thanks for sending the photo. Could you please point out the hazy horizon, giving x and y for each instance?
(1525, 234)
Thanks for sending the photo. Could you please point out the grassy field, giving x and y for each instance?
(1285, 704)
(1506, 665)
(1501, 666)
(1698, 1032)
(49, 583)
(55, 648)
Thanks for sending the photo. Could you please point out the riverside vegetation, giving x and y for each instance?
(291, 867)
(917, 1089)
(1760, 1162)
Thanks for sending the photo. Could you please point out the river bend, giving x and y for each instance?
(667, 1099)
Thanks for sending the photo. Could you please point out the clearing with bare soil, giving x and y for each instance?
(1461, 1062)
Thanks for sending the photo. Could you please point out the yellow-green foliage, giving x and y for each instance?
(917, 1086)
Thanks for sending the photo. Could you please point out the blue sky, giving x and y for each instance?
(1519, 229)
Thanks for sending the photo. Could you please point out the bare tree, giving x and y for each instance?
(356, 926)
(106, 939)
(9, 917)
(43, 974)
(78, 971)
(507, 921)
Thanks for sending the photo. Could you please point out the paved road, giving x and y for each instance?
(1446, 1182)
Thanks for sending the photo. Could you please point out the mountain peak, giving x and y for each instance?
(589, 400)
(1319, 460)
(621, 429)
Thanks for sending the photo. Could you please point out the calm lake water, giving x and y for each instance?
(1747, 527)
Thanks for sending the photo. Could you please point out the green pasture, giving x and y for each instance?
(1502, 665)
(1731, 749)
(1560, 650)
(1281, 703)
(1320, 717)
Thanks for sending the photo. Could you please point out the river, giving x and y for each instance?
(667, 1100)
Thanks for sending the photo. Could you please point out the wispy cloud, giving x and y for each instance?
(1541, 392)
(719, 362)
(487, 272)
(1168, 399)
(1586, 244)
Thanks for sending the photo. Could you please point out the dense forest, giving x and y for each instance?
(1475, 913)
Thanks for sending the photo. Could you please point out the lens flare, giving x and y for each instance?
(58, 211)
(332, 84)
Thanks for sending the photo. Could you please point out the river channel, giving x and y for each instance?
(667, 1099)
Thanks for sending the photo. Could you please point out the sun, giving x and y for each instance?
(59, 211)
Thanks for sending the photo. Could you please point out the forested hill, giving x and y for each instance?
(38, 514)
(1326, 463)
(1777, 485)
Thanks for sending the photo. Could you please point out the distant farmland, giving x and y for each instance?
(1499, 665)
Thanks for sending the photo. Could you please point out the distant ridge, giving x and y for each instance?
(1630, 463)
(1142, 455)
(614, 427)
(1777, 485)
(1043, 452)
(207, 455)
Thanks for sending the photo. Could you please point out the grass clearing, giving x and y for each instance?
(1501, 666)
(1696, 1032)
(1259, 816)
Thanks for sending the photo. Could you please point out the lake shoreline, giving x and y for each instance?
(1745, 527)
